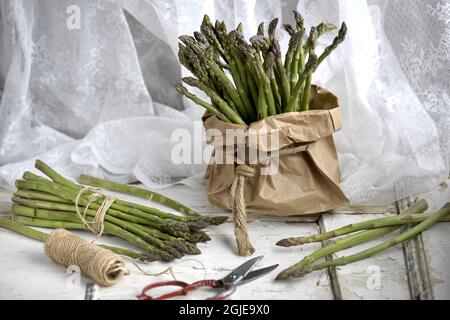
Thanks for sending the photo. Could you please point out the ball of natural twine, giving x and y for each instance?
(102, 265)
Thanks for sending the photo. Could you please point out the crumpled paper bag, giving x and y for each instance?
(306, 182)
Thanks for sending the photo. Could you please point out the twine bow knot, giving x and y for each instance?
(97, 225)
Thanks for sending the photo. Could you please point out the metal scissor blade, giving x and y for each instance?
(240, 272)
(255, 274)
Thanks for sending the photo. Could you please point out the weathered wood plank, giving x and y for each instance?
(419, 280)
(436, 244)
(332, 274)
(380, 277)
(361, 209)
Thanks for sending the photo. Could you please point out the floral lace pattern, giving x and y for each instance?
(394, 93)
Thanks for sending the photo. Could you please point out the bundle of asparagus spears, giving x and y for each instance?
(54, 203)
(359, 233)
(247, 82)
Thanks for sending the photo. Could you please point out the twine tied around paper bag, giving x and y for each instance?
(102, 265)
(96, 225)
(245, 247)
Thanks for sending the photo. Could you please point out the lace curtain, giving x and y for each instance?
(97, 97)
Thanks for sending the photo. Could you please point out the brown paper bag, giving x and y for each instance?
(306, 182)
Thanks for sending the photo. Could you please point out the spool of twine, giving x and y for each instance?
(102, 265)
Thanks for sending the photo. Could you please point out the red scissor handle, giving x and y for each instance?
(185, 288)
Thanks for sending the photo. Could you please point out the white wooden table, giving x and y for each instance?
(26, 273)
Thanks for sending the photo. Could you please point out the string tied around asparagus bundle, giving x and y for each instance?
(243, 171)
(96, 225)
(102, 265)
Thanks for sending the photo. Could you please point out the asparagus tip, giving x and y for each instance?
(273, 25)
(298, 19)
(215, 221)
(191, 81)
(283, 275)
(261, 29)
(284, 243)
(290, 29)
(197, 225)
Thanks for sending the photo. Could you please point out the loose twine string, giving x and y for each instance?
(238, 205)
(66, 248)
(171, 269)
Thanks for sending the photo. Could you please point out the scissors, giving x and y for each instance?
(238, 276)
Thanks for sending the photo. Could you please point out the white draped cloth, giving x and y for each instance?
(96, 97)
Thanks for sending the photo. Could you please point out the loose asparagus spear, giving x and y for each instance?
(411, 233)
(365, 225)
(347, 242)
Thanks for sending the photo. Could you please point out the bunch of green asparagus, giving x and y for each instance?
(360, 233)
(246, 81)
(52, 203)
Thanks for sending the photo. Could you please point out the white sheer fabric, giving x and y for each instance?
(392, 75)
(99, 99)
